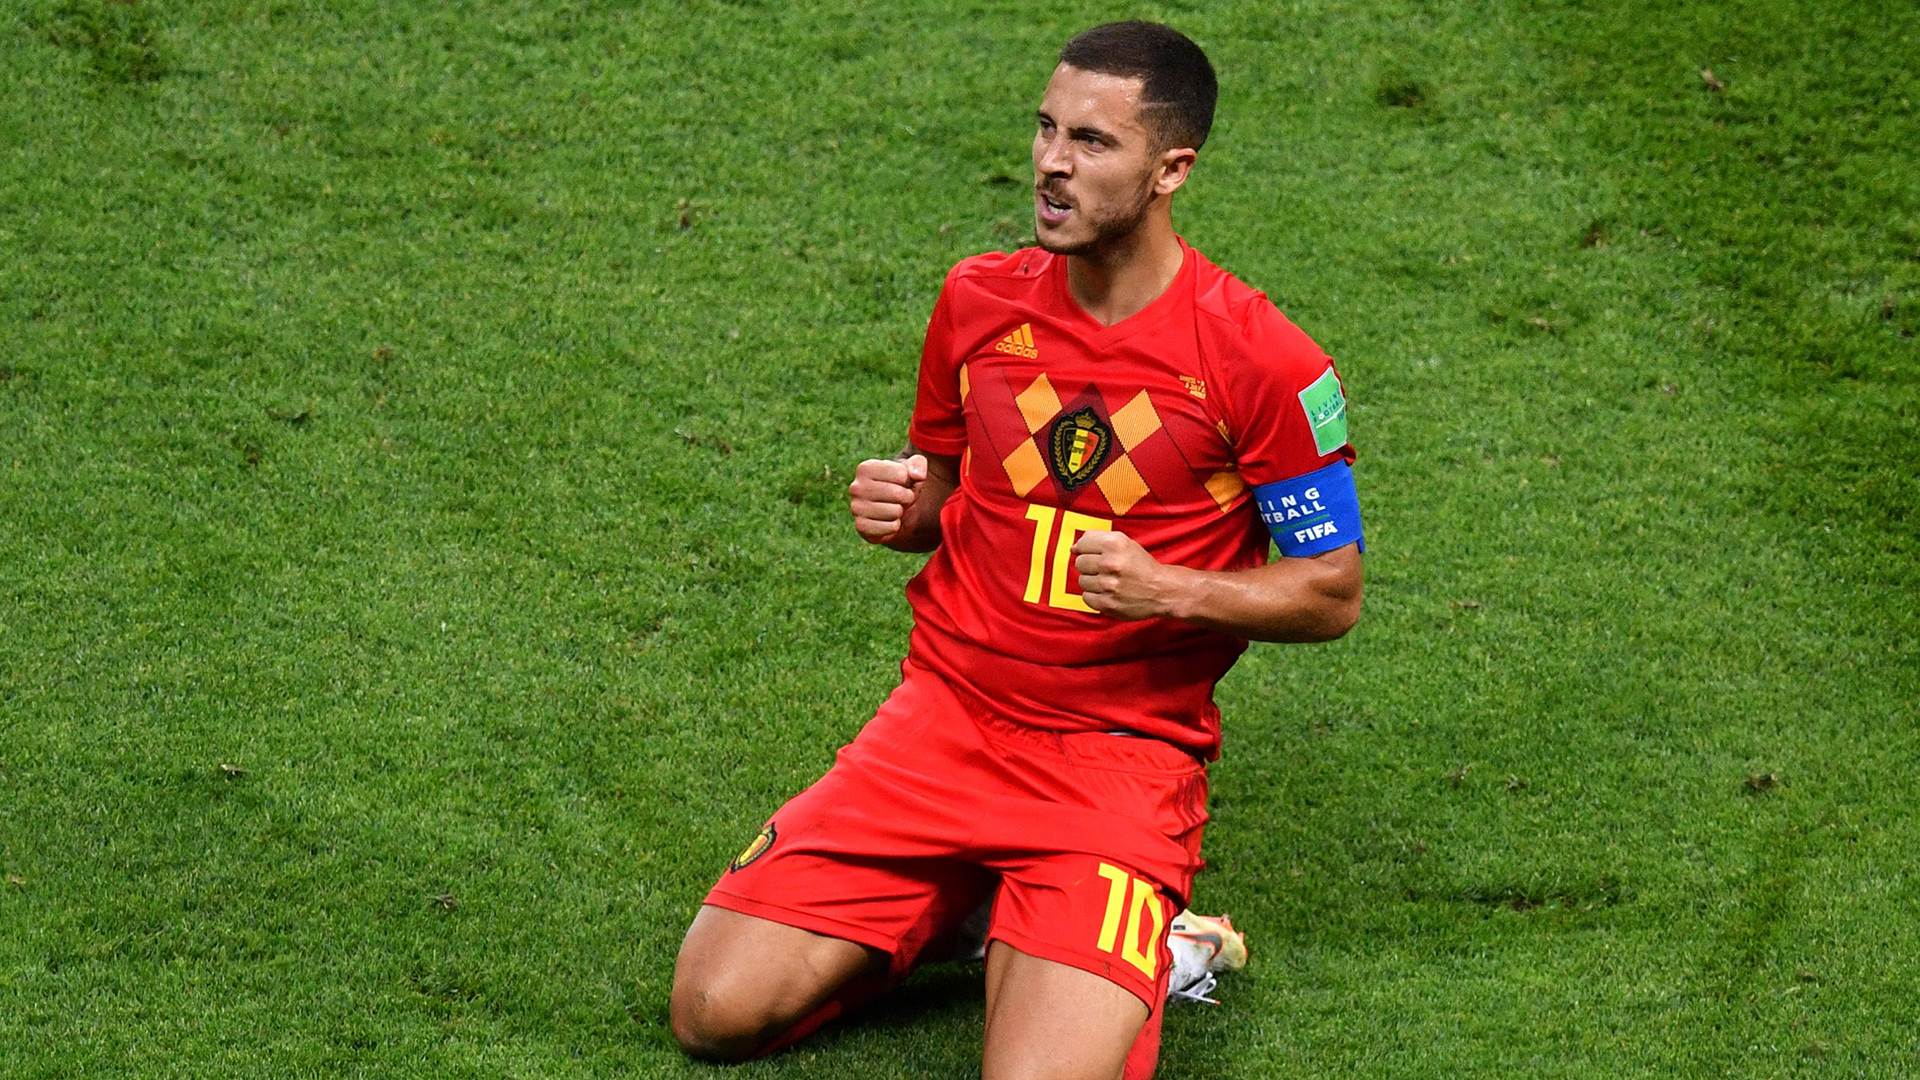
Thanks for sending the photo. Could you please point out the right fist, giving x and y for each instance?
(880, 494)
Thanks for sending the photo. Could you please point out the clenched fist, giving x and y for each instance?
(882, 492)
(1119, 578)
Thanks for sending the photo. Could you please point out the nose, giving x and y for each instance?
(1050, 156)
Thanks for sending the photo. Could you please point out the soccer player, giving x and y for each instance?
(1108, 429)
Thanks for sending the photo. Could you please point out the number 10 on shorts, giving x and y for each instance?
(1071, 526)
(1122, 922)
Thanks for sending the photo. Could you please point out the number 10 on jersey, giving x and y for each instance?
(1071, 525)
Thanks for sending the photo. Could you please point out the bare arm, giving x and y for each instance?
(897, 501)
(1311, 599)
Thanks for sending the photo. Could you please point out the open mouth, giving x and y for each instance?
(1051, 210)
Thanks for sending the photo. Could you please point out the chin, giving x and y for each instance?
(1059, 245)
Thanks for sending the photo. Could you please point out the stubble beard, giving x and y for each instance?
(1111, 234)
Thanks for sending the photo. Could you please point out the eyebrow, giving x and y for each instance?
(1081, 131)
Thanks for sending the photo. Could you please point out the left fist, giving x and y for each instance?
(1118, 578)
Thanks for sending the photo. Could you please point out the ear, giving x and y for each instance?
(1172, 169)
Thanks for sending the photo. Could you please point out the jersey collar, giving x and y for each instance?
(1090, 329)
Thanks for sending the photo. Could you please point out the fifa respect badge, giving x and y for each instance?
(1326, 408)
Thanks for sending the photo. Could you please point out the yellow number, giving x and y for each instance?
(1129, 947)
(1071, 526)
(1042, 517)
(1116, 903)
(1146, 958)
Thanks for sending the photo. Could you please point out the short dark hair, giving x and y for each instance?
(1178, 88)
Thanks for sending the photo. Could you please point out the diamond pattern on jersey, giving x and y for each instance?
(1038, 403)
(1025, 468)
(1019, 413)
(1119, 479)
(1122, 484)
(1135, 421)
(1225, 487)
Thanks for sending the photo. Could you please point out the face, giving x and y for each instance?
(1096, 172)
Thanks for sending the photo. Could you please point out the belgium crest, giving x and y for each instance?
(756, 849)
(1077, 446)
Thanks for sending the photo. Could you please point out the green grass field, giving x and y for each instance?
(423, 561)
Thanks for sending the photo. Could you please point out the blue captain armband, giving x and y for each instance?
(1313, 513)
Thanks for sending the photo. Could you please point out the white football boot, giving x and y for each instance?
(1202, 949)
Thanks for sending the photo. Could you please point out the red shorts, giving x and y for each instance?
(1092, 839)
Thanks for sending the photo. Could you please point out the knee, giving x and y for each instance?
(711, 1024)
(740, 985)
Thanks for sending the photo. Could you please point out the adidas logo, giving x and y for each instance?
(1019, 343)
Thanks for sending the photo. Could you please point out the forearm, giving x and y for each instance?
(1316, 599)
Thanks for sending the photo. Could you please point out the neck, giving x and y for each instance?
(1127, 275)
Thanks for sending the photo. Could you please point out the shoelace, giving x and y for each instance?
(1197, 990)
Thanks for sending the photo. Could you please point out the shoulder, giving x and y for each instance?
(1248, 334)
(978, 292)
(1282, 399)
(999, 271)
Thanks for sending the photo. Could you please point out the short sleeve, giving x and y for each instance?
(939, 426)
(1286, 409)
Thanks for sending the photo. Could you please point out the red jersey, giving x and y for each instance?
(1155, 427)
